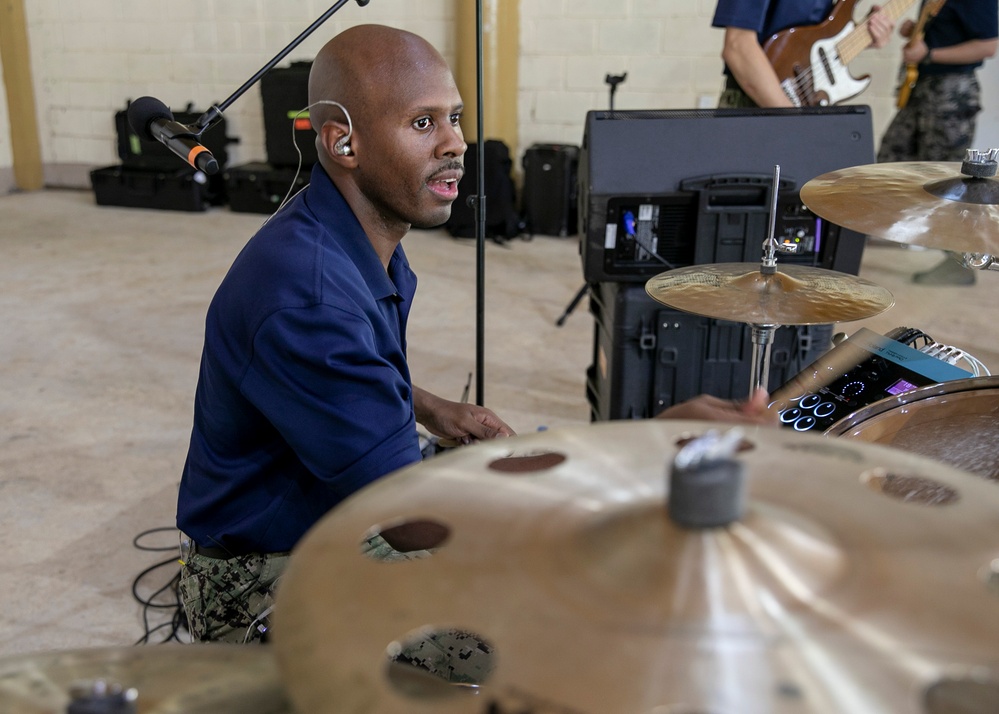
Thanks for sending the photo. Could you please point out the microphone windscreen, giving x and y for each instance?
(145, 110)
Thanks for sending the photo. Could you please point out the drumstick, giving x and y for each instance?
(448, 442)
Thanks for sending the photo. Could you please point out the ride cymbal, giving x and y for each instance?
(926, 204)
(167, 679)
(545, 568)
(794, 295)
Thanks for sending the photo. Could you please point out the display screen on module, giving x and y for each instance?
(864, 369)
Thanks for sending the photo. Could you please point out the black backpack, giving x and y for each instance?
(502, 218)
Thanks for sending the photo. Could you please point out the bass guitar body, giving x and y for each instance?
(906, 85)
(808, 63)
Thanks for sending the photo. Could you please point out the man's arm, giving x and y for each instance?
(457, 420)
(708, 408)
(751, 68)
(963, 53)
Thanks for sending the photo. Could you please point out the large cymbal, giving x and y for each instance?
(168, 679)
(794, 295)
(555, 551)
(925, 204)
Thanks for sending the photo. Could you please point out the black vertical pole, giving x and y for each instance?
(480, 212)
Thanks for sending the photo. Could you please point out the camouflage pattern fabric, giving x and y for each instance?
(734, 98)
(937, 123)
(453, 655)
(226, 599)
(377, 548)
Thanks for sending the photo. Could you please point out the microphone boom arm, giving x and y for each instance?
(214, 113)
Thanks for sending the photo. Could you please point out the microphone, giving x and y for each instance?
(152, 119)
(362, 3)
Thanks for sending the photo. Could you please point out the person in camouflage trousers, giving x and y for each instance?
(938, 121)
(304, 393)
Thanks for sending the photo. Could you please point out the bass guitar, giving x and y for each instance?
(930, 9)
(811, 61)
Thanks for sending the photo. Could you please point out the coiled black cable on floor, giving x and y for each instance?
(166, 597)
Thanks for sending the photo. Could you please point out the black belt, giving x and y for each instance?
(213, 552)
(225, 554)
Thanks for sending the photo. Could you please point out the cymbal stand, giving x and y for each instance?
(763, 335)
(763, 339)
(981, 165)
(980, 261)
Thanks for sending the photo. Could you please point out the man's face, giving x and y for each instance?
(410, 151)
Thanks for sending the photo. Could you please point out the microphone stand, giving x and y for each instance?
(613, 80)
(214, 113)
(480, 215)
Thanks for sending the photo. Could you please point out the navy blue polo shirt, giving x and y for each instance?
(956, 22)
(766, 17)
(304, 394)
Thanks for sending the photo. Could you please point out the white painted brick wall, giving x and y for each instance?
(90, 56)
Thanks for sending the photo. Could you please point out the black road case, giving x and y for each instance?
(181, 189)
(549, 195)
(258, 187)
(647, 356)
(284, 92)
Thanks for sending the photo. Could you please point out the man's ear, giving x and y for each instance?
(335, 140)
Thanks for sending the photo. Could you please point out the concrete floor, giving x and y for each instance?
(102, 310)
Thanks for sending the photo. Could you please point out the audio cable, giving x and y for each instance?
(166, 597)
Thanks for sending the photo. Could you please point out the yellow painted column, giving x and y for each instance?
(500, 61)
(14, 53)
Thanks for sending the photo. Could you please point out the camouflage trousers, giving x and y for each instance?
(937, 123)
(228, 600)
(735, 98)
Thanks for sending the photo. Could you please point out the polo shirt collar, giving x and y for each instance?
(333, 211)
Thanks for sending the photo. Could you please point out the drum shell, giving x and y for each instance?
(956, 422)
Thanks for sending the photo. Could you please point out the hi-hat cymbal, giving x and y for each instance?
(168, 679)
(858, 579)
(794, 295)
(926, 204)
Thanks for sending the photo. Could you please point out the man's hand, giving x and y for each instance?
(458, 421)
(880, 26)
(915, 52)
(706, 407)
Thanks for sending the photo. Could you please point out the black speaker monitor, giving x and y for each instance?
(670, 188)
